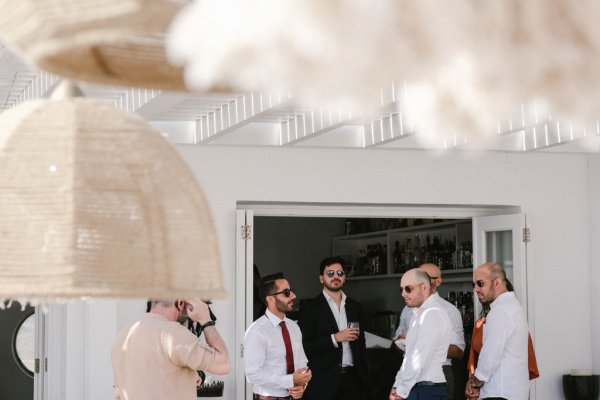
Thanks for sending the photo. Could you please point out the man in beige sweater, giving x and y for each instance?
(158, 358)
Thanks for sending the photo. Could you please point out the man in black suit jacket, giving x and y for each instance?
(337, 355)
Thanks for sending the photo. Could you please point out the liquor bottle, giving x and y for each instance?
(397, 258)
(407, 257)
(376, 259)
(427, 250)
(417, 253)
(383, 260)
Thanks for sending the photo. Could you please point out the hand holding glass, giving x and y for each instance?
(353, 324)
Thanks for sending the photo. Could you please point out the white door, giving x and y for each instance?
(244, 289)
(503, 239)
(500, 239)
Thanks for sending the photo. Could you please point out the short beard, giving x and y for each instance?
(333, 289)
(182, 318)
(283, 306)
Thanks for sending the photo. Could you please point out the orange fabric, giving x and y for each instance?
(477, 344)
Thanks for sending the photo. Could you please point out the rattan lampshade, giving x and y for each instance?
(95, 203)
(103, 41)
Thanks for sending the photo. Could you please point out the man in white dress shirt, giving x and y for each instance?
(274, 358)
(502, 369)
(457, 340)
(421, 376)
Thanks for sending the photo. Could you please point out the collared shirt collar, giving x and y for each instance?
(275, 320)
(426, 304)
(330, 299)
(502, 298)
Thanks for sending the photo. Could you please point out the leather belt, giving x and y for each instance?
(261, 397)
(345, 370)
(429, 383)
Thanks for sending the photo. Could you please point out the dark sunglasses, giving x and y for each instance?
(480, 283)
(284, 292)
(408, 289)
(331, 273)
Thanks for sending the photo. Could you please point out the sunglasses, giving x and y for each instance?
(284, 292)
(408, 289)
(331, 273)
(479, 283)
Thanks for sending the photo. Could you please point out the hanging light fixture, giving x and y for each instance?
(95, 203)
(101, 41)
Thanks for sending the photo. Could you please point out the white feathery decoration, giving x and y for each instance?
(465, 62)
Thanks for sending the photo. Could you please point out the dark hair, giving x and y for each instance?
(509, 285)
(330, 261)
(151, 302)
(267, 285)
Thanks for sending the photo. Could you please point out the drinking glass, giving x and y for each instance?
(353, 324)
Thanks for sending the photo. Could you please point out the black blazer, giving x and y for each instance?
(317, 324)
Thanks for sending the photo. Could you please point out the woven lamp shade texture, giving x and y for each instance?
(102, 41)
(95, 203)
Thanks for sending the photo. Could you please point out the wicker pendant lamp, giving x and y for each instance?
(102, 41)
(95, 203)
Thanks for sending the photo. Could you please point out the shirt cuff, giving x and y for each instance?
(481, 378)
(333, 340)
(287, 381)
(400, 391)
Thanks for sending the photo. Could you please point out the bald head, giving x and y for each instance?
(434, 273)
(493, 271)
(489, 282)
(416, 275)
(416, 287)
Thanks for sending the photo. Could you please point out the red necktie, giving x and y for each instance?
(289, 354)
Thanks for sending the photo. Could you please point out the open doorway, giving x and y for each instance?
(339, 228)
(376, 252)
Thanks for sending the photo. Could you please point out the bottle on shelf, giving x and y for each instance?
(397, 258)
(417, 253)
(383, 268)
(407, 257)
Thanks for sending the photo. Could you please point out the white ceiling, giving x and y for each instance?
(260, 119)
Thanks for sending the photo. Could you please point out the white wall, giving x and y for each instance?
(594, 202)
(551, 188)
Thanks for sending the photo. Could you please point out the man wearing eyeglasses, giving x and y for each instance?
(274, 360)
(457, 340)
(336, 352)
(157, 357)
(502, 369)
(421, 376)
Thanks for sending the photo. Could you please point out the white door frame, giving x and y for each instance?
(247, 210)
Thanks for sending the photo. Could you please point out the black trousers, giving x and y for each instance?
(428, 393)
(449, 380)
(350, 387)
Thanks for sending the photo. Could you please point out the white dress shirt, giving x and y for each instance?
(264, 355)
(457, 334)
(339, 314)
(427, 344)
(405, 318)
(457, 337)
(502, 363)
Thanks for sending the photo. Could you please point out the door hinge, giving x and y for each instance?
(246, 232)
(37, 365)
(46, 364)
(242, 350)
(526, 235)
